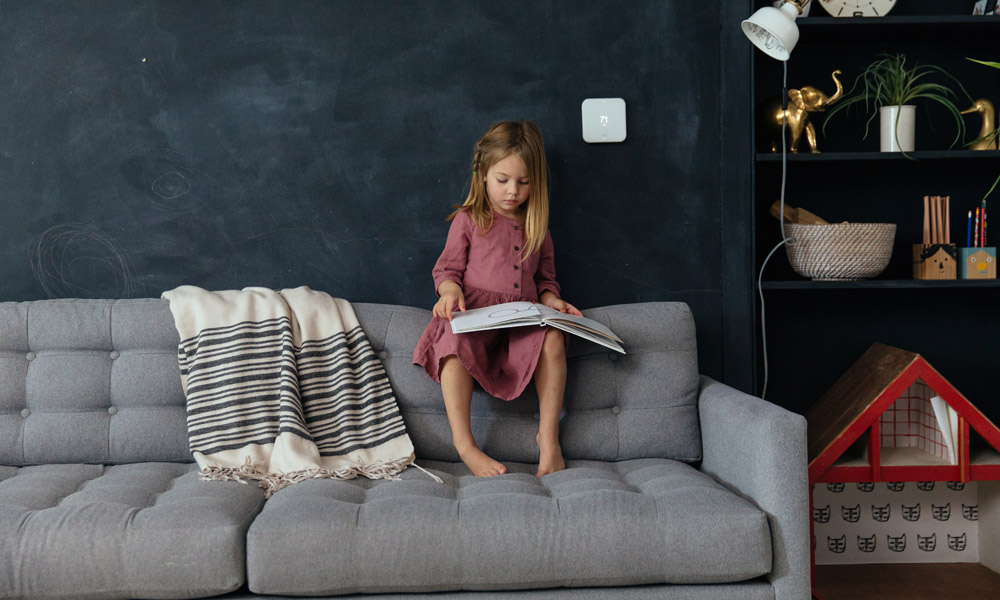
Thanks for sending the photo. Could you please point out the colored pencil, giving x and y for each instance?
(975, 241)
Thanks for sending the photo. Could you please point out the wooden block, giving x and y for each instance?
(797, 215)
(935, 261)
(977, 263)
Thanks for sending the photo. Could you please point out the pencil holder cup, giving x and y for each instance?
(935, 261)
(977, 263)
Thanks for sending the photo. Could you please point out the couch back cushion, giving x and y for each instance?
(97, 381)
(90, 381)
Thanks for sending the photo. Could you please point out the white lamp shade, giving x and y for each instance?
(773, 30)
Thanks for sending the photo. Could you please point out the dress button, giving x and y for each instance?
(114, 354)
(383, 355)
(30, 356)
(516, 267)
(113, 410)
(515, 286)
(25, 413)
(616, 410)
(517, 247)
(516, 227)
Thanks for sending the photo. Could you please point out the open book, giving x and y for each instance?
(518, 314)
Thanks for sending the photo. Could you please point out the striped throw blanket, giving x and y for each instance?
(282, 387)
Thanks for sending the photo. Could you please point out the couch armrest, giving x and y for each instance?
(758, 450)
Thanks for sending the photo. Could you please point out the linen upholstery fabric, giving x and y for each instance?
(90, 381)
(148, 530)
(596, 523)
(759, 450)
(98, 381)
(617, 407)
(747, 590)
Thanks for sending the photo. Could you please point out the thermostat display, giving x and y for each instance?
(603, 120)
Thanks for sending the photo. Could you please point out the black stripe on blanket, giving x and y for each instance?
(249, 382)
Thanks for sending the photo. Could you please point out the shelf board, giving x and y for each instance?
(910, 457)
(984, 456)
(908, 20)
(926, 27)
(863, 284)
(896, 457)
(916, 156)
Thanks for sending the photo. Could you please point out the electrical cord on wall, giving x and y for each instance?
(781, 219)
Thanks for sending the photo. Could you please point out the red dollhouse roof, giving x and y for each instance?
(857, 400)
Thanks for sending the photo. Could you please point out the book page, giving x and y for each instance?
(582, 322)
(511, 314)
(944, 422)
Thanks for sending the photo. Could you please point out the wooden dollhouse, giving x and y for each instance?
(867, 428)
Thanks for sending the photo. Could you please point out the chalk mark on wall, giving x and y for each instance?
(79, 260)
(171, 185)
(182, 184)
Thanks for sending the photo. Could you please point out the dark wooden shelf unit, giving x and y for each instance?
(936, 155)
(879, 284)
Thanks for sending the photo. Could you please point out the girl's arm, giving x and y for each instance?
(449, 271)
(450, 266)
(545, 280)
(545, 274)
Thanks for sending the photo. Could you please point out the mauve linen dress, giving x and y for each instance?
(490, 271)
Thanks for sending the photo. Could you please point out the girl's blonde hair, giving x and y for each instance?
(524, 140)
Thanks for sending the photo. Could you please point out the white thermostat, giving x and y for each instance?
(603, 120)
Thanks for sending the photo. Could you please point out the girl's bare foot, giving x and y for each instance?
(550, 458)
(479, 463)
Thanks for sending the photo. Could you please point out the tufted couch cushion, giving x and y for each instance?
(617, 407)
(90, 381)
(595, 524)
(97, 381)
(148, 530)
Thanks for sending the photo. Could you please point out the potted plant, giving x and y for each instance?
(888, 86)
(996, 132)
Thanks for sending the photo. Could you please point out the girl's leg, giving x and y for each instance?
(550, 381)
(456, 387)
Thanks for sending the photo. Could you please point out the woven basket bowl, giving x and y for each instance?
(840, 251)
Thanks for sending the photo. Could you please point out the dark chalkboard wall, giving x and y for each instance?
(145, 145)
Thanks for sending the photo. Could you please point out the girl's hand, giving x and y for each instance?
(451, 295)
(556, 303)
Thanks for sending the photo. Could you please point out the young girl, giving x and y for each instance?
(499, 250)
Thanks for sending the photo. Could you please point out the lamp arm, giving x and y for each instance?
(799, 4)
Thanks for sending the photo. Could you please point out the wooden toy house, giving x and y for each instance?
(870, 427)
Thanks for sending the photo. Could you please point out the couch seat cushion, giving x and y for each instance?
(594, 524)
(148, 530)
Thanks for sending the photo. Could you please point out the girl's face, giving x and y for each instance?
(508, 186)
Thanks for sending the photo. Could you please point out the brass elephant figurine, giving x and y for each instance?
(802, 102)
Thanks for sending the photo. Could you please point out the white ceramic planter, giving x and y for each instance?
(897, 124)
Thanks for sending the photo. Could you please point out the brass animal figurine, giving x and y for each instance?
(987, 138)
(803, 101)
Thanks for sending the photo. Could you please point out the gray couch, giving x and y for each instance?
(677, 486)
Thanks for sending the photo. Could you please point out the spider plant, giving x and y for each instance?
(996, 132)
(889, 81)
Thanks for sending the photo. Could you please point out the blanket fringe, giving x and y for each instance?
(273, 482)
